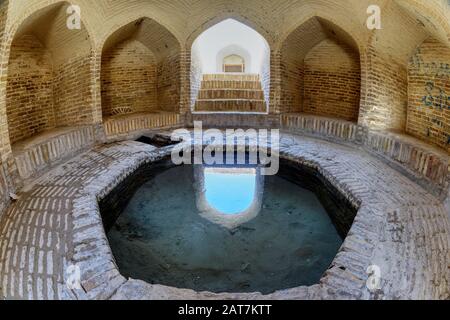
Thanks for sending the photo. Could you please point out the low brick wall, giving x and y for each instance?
(235, 120)
(425, 164)
(323, 127)
(40, 157)
(124, 125)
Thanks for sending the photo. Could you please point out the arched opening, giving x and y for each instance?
(233, 55)
(428, 116)
(48, 84)
(230, 70)
(140, 70)
(228, 196)
(320, 71)
(233, 63)
(239, 186)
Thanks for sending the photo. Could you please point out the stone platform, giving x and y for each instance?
(401, 227)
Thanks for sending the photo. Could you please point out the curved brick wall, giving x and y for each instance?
(326, 67)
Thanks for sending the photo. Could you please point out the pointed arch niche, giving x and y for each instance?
(321, 71)
(140, 70)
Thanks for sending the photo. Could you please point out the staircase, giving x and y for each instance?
(230, 93)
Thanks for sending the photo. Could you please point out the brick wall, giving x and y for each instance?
(30, 89)
(4, 53)
(4, 196)
(196, 75)
(72, 92)
(429, 94)
(128, 79)
(384, 95)
(332, 81)
(292, 88)
(168, 83)
(265, 76)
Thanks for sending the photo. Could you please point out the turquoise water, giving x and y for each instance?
(239, 188)
(161, 237)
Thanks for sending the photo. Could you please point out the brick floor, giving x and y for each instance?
(400, 227)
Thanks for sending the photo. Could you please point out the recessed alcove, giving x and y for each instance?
(48, 83)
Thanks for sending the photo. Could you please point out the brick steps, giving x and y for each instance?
(231, 77)
(231, 84)
(231, 93)
(227, 105)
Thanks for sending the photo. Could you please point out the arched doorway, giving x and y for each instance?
(233, 63)
(230, 70)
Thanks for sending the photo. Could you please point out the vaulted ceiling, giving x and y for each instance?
(405, 23)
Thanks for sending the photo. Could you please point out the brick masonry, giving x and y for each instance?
(332, 81)
(427, 166)
(56, 81)
(384, 94)
(129, 82)
(72, 92)
(429, 94)
(231, 93)
(30, 89)
(169, 83)
(398, 224)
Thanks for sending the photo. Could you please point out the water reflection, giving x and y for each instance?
(226, 195)
(230, 191)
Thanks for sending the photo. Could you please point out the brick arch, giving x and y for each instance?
(10, 34)
(39, 7)
(71, 111)
(225, 16)
(230, 50)
(134, 17)
(302, 53)
(358, 40)
(435, 20)
(155, 54)
(195, 72)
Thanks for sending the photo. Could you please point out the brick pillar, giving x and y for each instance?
(96, 89)
(275, 83)
(96, 95)
(5, 43)
(383, 92)
(185, 82)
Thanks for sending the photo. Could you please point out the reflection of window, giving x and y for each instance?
(233, 63)
(230, 191)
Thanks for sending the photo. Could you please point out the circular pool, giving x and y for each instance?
(225, 228)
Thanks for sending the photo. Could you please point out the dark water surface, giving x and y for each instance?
(285, 240)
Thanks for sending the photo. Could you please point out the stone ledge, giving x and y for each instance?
(48, 149)
(400, 227)
(122, 126)
(426, 164)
